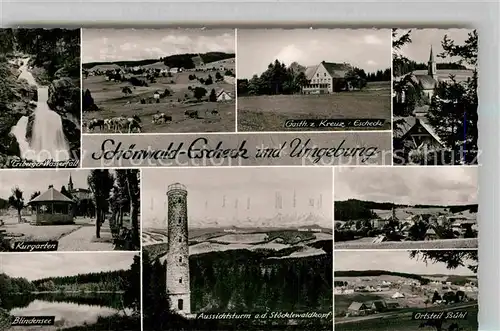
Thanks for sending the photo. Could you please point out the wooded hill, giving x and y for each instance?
(377, 273)
(173, 61)
(354, 209)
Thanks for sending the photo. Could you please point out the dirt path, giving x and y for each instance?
(84, 239)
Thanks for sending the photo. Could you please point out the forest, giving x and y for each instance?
(353, 209)
(243, 281)
(55, 61)
(173, 61)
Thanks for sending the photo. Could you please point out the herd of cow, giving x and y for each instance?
(133, 124)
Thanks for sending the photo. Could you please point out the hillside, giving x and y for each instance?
(377, 273)
(178, 60)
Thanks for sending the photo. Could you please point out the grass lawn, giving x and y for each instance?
(403, 322)
(427, 244)
(109, 98)
(269, 113)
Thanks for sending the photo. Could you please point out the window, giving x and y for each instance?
(180, 221)
(317, 75)
(180, 259)
(324, 74)
(180, 304)
(180, 240)
(180, 280)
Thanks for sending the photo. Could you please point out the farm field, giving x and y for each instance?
(402, 321)
(366, 243)
(112, 102)
(269, 113)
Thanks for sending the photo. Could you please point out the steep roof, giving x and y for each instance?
(51, 195)
(407, 124)
(426, 81)
(336, 70)
(310, 71)
(357, 306)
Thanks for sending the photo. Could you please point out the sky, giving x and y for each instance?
(397, 261)
(110, 45)
(249, 193)
(369, 49)
(422, 39)
(30, 181)
(408, 185)
(40, 265)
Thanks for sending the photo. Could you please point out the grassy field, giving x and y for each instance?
(269, 113)
(403, 322)
(112, 102)
(428, 244)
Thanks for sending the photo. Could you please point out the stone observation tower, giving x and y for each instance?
(178, 291)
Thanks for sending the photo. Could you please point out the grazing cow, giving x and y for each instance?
(95, 123)
(143, 101)
(134, 124)
(161, 118)
(191, 113)
(215, 112)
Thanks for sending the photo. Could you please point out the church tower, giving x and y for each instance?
(431, 66)
(177, 259)
(70, 184)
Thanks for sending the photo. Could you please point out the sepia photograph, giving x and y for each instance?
(158, 80)
(406, 290)
(40, 109)
(71, 292)
(435, 96)
(237, 247)
(289, 76)
(406, 207)
(74, 210)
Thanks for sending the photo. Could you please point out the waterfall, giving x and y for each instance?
(47, 137)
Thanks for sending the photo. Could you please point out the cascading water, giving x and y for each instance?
(47, 138)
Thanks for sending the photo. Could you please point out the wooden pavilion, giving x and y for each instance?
(52, 208)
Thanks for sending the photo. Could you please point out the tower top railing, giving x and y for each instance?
(176, 186)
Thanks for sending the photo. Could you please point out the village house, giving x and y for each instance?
(326, 77)
(431, 234)
(414, 133)
(222, 95)
(357, 309)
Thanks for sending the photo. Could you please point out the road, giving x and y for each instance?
(84, 239)
(401, 314)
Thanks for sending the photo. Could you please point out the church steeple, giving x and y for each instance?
(431, 65)
(70, 183)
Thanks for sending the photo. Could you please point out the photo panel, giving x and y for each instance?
(314, 79)
(409, 290)
(158, 80)
(237, 247)
(435, 96)
(70, 210)
(84, 291)
(40, 98)
(406, 207)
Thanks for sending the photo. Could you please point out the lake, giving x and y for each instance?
(69, 309)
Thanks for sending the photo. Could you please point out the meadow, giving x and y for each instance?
(404, 322)
(366, 243)
(269, 112)
(112, 102)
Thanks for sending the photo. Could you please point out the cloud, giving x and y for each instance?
(176, 40)
(408, 185)
(372, 40)
(289, 54)
(371, 63)
(128, 46)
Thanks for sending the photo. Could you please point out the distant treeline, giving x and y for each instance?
(173, 61)
(376, 273)
(412, 66)
(95, 277)
(354, 209)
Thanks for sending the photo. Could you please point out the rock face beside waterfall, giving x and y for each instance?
(64, 99)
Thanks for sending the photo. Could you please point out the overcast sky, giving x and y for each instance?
(41, 265)
(369, 49)
(397, 261)
(422, 39)
(110, 45)
(30, 181)
(250, 193)
(408, 185)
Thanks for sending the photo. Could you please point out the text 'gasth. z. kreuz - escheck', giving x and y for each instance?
(334, 123)
(200, 148)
